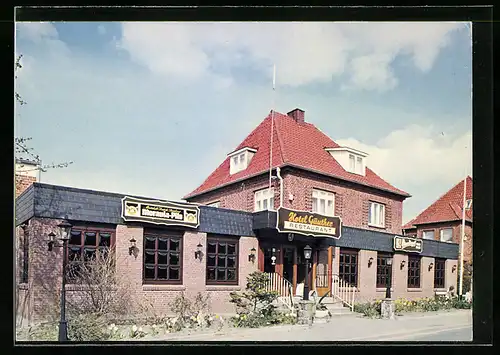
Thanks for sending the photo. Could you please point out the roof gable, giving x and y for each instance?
(446, 208)
(301, 145)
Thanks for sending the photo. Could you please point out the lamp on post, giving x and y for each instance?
(65, 227)
(389, 280)
(307, 257)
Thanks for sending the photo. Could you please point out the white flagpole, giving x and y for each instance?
(461, 280)
(272, 129)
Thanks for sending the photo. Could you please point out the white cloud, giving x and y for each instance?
(304, 52)
(418, 156)
(36, 31)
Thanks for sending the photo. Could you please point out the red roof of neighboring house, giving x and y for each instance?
(447, 208)
(295, 144)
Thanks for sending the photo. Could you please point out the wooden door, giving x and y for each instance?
(323, 267)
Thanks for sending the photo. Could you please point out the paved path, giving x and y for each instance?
(435, 326)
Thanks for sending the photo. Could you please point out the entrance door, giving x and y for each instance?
(288, 262)
(323, 268)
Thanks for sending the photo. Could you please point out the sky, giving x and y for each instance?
(152, 109)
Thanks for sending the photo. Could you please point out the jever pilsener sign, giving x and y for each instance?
(413, 245)
(308, 223)
(160, 212)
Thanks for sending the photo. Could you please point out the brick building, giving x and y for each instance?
(322, 195)
(442, 220)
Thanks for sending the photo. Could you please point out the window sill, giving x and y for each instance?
(163, 288)
(383, 289)
(440, 290)
(223, 288)
(376, 226)
(409, 289)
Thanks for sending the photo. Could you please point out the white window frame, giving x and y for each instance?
(319, 196)
(428, 231)
(214, 204)
(264, 197)
(356, 164)
(441, 235)
(468, 204)
(373, 213)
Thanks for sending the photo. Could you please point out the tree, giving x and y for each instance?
(22, 149)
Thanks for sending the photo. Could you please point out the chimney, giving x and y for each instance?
(26, 174)
(297, 115)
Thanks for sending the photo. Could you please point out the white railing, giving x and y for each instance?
(282, 286)
(343, 291)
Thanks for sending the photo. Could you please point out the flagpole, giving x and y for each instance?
(462, 237)
(272, 129)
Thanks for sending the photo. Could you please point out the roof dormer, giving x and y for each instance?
(352, 160)
(240, 159)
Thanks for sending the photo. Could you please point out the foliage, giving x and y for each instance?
(190, 314)
(429, 304)
(43, 332)
(255, 305)
(88, 327)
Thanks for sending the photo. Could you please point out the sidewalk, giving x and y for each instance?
(341, 329)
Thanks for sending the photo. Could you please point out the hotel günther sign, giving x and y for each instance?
(160, 212)
(307, 223)
(412, 245)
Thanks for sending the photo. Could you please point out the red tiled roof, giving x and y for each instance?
(294, 144)
(447, 208)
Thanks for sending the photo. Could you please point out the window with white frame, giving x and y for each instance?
(240, 159)
(323, 202)
(428, 234)
(355, 164)
(446, 235)
(264, 200)
(376, 214)
(468, 204)
(214, 204)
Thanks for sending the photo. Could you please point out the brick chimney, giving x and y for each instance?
(26, 174)
(297, 115)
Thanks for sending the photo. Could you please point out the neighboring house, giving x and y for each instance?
(442, 220)
(318, 176)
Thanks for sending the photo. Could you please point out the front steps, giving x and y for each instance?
(334, 307)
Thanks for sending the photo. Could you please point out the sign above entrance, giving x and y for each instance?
(308, 223)
(412, 245)
(160, 212)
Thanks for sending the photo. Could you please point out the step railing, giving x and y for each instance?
(343, 291)
(283, 287)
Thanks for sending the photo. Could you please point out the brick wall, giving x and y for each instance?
(351, 200)
(40, 296)
(23, 182)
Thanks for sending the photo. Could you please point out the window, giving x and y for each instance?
(348, 266)
(323, 202)
(162, 257)
(214, 204)
(428, 234)
(413, 271)
(240, 160)
(25, 257)
(376, 214)
(356, 164)
(439, 272)
(446, 235)
(359, 165)
(468, 204)
(222, 261)
(83, 244)
(383, 269)
(264, 200)
(352, 163)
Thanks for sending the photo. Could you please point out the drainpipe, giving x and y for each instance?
(278, 170)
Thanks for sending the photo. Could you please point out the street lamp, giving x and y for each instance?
(307, 256)
(389, 280)
(65, 227)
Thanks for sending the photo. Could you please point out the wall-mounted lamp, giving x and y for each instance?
(402, 265)
(453, 268)
(251, 256)
(198, 253)
(431, 265)
(51, 240)
(133, 249)
(370, 262)
(290, 237)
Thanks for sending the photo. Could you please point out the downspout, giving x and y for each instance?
(278, 170)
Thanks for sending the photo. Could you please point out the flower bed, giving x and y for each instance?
(373, 309)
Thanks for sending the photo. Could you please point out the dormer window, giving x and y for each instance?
(240, 159)
(352, 160)
(468, 204)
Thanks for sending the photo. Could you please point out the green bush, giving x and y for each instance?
(88, 327)
(369, 309)
(43, 332)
